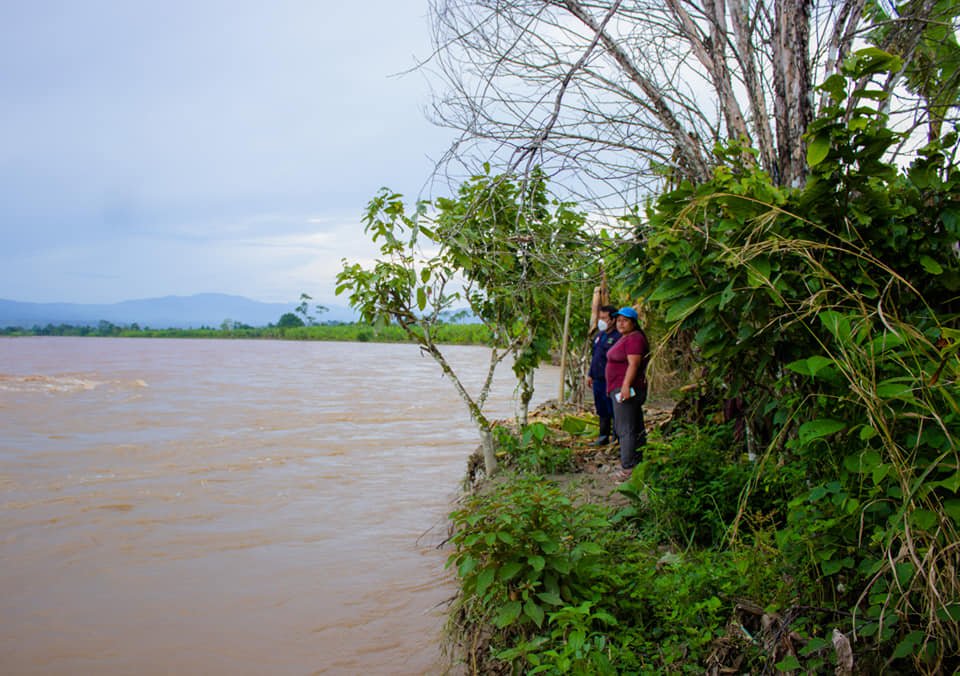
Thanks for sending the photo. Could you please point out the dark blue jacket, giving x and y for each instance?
(601, 343)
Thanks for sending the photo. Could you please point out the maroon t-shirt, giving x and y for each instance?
(632, 343)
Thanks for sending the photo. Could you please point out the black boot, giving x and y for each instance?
(604, 437)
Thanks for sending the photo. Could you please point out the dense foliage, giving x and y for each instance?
(825, 323)
(803, 511)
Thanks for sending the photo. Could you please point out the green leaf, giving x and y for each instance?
(813, 645)
(682, 308)
(671, 289)
(930, 265)
(421, 298)
(818, 149)
(552, 598)
(533, 611)
(574, 426)
(510, 570)
(836, 324)
(590, 548)
(507, 614)
(758, 272)
(788, 663)
(466, 566)
(864, 462)
(895, 388)
(952, 508)
(536, 562)
(576, 640)
(924, 519)
(484, 579)
(809, 366)
(832, 566)
(908, 645)
(822, 427)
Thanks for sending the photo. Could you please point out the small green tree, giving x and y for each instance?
(303, 309)
(518, 251)
(498, 246)
(289, 320)
(411, 287)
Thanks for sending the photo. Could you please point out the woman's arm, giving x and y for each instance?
(633, 367)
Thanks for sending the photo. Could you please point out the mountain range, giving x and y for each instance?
(205, 309)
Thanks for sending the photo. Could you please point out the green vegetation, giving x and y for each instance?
(553, 584)
(802, 510)
(502, 245)
(457, 334)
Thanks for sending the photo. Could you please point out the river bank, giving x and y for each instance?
(562, 568)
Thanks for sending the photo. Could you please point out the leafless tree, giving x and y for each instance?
(619, 96)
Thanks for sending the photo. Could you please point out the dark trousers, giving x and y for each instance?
(628, 422)
(604, 406)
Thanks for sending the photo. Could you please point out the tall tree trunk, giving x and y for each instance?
(793, 90)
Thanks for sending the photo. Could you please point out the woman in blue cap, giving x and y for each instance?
(627, 386)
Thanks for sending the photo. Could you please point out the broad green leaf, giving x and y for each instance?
(788, 663)
(924, 519)
(821, 427)
(576, 639)
(810, 365)
(904, 571)
(832, 566)
(510, 570)
(671, 289)
(908, 645)
(551, 597)
(727, 295)
(507, 614)
(536, 562)
(930, 265)
(590, 548)
(895, 388)
(758, 272)
(836, 324)
(949, 613)
(533, 611)
(682, 308)
(484, 579)
(818, 149)
(574, 426)
(952, 508)
(836, 84)
(466, 566)
(863, 462)
(421, 298)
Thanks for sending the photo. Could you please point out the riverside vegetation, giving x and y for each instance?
(800, 512)
(450, 333)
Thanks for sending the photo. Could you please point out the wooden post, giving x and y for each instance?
(563, 351)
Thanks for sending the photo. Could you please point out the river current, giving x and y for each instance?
(229, 507)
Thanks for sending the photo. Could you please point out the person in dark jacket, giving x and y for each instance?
(606, 336)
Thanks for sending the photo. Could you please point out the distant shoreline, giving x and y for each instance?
(457, 334)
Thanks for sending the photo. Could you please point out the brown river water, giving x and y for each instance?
(229, 507)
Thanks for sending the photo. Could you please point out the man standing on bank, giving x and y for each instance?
(626, 375)
(606, 336)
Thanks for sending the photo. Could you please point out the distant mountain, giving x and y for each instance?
(205, 309)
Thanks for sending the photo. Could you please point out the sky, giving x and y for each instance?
(171, 147)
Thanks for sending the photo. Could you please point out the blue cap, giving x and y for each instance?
(627, 312)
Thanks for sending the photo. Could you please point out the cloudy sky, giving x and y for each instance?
(172, 147)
